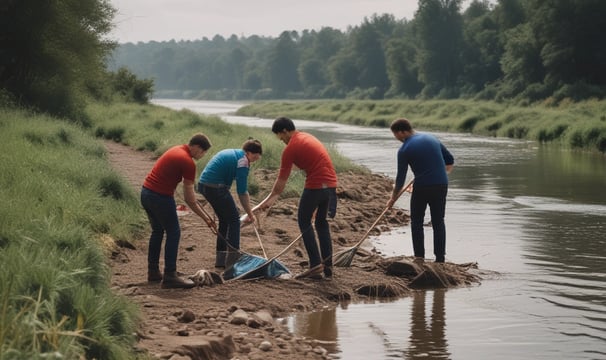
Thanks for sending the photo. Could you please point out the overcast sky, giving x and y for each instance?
(161, 20)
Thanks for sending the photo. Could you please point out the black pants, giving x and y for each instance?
(435, 197)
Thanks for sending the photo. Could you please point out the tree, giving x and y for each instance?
(439, 26)
(343, 71)
(282, 65)
(130, 87)
(312, 75)
(52, 49)
(569, 33)
(367, 51)
(521, 62)
(402, 68)
(482, 48)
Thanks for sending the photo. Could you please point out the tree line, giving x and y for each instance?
(526, 50)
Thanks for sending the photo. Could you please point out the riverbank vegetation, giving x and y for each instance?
(574, 125)
(61, 202)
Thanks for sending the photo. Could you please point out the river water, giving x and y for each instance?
(535, 215)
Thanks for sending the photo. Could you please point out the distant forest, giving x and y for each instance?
(524, 50)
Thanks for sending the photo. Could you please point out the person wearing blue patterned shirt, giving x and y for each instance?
(215, 183)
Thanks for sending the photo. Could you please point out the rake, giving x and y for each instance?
(344, 257)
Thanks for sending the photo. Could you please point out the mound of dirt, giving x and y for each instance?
(237, 319)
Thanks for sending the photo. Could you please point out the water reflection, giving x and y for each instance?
(318, 325)
(367, 334)
(427, 331)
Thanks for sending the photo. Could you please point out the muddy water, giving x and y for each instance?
(535, 214)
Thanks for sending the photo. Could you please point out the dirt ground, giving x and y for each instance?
(238, 319)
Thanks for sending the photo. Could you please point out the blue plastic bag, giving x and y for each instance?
(255, 267)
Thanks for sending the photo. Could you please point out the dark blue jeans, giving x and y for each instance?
(435, 197)
(162, 214)
(229, 219)
(316, 200)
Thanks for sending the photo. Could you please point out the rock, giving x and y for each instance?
(203, 347)
(265, 346)
(187, 316)
(253, 323)
(239, 317)
(264, 316)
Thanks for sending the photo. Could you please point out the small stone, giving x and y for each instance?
(265, 346)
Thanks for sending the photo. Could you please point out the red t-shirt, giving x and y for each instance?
(309, 155)
(173, 166)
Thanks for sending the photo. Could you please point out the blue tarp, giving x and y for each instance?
(255, 267)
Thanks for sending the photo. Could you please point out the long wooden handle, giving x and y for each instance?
(402, 191)
(260, 242)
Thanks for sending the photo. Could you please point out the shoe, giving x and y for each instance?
(313, 273)
(172, 281)
(154, 275)
(328, 272)
(418, 260)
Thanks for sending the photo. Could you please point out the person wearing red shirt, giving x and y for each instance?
(307, 153)
(157, 197)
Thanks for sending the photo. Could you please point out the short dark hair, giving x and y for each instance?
(282, 123)
(253, 146)
(201, 140)
(400, 125)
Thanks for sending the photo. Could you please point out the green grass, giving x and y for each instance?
(579, 125)
(59, 195)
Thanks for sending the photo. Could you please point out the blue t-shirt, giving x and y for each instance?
(224, 167)
(427, 158)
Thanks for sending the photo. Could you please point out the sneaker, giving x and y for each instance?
(172, 281)
(313, 273)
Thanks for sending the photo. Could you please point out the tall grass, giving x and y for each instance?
(59, 195)
(580, 125)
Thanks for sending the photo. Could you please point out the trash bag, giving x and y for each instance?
(252, 267)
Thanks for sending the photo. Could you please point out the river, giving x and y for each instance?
(534, 214)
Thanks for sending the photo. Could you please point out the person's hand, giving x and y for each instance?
(249, 219)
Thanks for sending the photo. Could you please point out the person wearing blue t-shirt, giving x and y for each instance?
(430, 163)
(215, 183)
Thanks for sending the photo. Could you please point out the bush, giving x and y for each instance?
(131, 88)
(578, 91)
